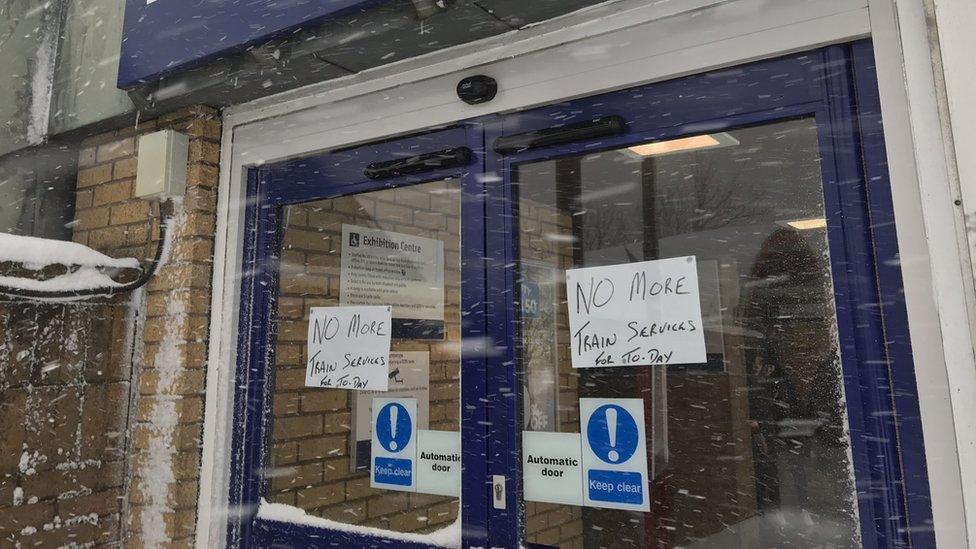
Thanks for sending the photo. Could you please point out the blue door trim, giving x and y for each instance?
(325, 176)
(835, 85)
(859, 326)
(901, 367)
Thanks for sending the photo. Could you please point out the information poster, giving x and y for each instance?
(636, 314)
(711, 304)
(539, 286)
(403, 271)
(408, 377)
(348, 348)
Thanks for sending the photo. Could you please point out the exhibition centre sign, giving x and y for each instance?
(164, 36)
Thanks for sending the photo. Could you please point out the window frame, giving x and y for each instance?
(846, 105)
(326, 176)
(877, 363)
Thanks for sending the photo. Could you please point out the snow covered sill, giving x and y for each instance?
(56, 270)
(36, 253)
(84, 278)
(449, 536)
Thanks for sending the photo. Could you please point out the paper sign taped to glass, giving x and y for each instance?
(636, 314)
(603, 466)
(348, 348)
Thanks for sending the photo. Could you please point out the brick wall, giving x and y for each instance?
(104, 448)
(64, 392)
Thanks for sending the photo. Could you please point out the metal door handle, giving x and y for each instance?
(604, 126)
(447, 158)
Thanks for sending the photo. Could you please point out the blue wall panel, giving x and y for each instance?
(163, 36)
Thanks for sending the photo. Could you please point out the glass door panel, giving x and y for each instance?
(396, 227)
(748, 448)
(320, 450)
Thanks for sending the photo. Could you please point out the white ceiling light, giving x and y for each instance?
(684, 144)
(805, 224)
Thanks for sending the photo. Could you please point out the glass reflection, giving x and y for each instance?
(319, 455)
(748, 449)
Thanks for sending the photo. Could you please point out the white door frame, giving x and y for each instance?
(614, 46)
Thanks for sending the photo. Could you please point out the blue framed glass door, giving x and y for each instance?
(301, 455)
(800, 428)
(803, 412)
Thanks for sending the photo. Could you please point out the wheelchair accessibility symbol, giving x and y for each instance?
(393, 428)
(612, 434)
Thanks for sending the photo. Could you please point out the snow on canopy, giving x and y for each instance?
(36, 253)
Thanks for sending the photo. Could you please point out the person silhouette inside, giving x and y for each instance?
(804, 491)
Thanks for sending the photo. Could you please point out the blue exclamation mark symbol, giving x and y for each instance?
(612, 434)
(392, 432)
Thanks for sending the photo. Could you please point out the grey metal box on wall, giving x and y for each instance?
(161, 165)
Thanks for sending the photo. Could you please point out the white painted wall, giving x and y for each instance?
(955, 22)
(932, 241)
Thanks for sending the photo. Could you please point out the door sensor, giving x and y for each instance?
(477, 89)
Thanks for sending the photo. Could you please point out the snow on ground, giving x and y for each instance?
(449, 536)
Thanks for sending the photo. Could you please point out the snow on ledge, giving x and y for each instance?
(449, 536)
(36, 253)
(84, 278)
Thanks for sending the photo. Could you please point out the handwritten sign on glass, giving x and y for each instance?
(636, 314)
(349, 347)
